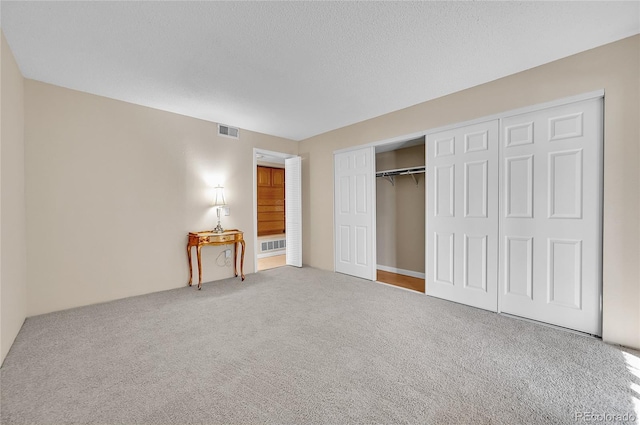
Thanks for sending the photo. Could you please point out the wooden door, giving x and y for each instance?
(271, 201)
(277, 177)
(264, 176)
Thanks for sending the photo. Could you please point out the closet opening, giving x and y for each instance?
(400, 214)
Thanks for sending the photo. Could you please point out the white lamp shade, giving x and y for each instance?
(218, 199)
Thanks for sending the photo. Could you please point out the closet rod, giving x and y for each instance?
(390, 174)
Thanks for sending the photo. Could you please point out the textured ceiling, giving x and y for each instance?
(297, 69)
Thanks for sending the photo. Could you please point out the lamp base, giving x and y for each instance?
(218, 228)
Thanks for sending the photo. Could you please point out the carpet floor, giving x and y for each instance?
(295, 346)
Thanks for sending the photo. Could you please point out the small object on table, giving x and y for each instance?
(210, 237)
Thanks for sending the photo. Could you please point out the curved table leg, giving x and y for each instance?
(199, 248)
(235, 259)
(242, 260)
(190, 268)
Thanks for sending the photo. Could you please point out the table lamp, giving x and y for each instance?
(218, 202)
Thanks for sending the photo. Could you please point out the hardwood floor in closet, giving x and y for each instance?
(403, 281)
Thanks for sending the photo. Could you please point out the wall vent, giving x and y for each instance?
(272, 245)
(225, 130)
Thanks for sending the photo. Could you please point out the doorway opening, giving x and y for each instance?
(379, 212)
(270, 187)
(400, 214)
(277, 210)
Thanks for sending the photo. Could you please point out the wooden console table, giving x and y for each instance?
(228, 237)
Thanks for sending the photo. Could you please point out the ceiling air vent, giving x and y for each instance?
(225, 130)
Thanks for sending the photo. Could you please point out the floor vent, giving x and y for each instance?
(225, 130)
(271, 245)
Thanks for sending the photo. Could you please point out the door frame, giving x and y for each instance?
(524, 110)
(256, 152)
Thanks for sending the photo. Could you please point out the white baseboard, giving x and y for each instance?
(401, 271)
(272, 253)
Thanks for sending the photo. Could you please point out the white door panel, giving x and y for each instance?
(462, 215)
(293, 210)
(354, 213)
(551, 226)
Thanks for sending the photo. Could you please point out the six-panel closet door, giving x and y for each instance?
(462, 215)
(550, 247)
(528, 240)
(354, 215)
(514, 214)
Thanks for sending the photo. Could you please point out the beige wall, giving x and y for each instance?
(614, 68)
(112, 190)
(13, 280)
(400, 230)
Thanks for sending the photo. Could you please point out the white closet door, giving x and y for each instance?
(551, 240)
(462, 215)
(354, 212)
(293, 210)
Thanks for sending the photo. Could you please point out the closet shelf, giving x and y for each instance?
(410, 171)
